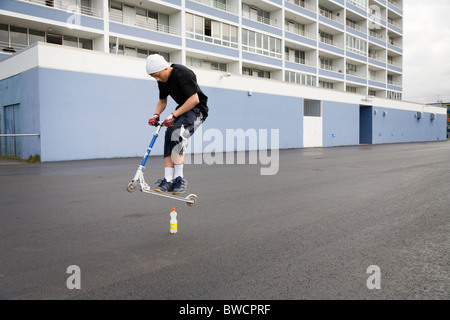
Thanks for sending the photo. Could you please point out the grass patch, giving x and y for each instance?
(32, 159)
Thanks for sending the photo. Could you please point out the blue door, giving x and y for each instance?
(365, 124)
(12, 126)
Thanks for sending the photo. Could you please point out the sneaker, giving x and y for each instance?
(164, 186)
(179, 185)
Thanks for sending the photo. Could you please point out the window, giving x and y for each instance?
(70, 41)
(294, 55)
(326, 85)
(208, 30)
(351, 69)
(256, 72)
(356, 45)
(311, 108)
(18, 36)
(262, 44)
(36, 35)
(305, 79)
(256, 14)
(326, 63)
(4, 35)
(351, 89)
(295, 27)
(54, 38)
(85, 44)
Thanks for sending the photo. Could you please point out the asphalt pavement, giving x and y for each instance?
(317, 229)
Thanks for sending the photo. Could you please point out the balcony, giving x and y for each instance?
(142, 22)
(218, 5)
(70, 8)
(303, 4)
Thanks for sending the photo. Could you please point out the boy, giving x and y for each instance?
(181, 84)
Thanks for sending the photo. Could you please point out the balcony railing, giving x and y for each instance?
(332, 16)
(303, 4)
(355, 74)
(376, 56)
(331, 42)
(357, 4)
(142, 22)
(395, 4)
(298, 60)
(254, 17)
(376, 35)
(87, 11)
(11, 47)
(356, 27)
(218, 5)
(378, 79)
(325, 66)
(301, 32)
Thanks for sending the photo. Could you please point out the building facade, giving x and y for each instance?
(343, 45)
(278, 75)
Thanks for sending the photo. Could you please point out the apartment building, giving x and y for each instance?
(342, 45)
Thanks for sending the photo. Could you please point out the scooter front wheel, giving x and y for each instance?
(192, 200)
(131, 187)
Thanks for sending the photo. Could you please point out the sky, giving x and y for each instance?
(426, 50)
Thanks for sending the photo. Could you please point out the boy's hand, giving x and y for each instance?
(153, 121)
(170, 120)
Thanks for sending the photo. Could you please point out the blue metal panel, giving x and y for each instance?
(331, 22)
(300, 10)
(356, 56)
(325, 46)
(144, 33)
(299, 38)
(212, 11)
(377, 41)
(394, 48)
(300, 67)
(378, 63)
(393, 8)
(356, 32)
(391, 67)
(356, 79)
(356, 9)
(261, 59)
(175, 2)
(331, 74)
(261, 26)
(204, 46)
(50, 13)
(391, 87)
(396, 29)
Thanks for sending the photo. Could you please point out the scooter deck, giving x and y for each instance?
(190, 200)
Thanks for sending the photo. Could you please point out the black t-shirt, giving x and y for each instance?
(181, 85)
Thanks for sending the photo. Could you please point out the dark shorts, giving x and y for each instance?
(176, 137)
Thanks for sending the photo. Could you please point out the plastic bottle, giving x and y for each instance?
(173, 221)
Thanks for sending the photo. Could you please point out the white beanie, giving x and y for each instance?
(156, 63)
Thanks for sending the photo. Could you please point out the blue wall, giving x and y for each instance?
(402, 126)
(87, 116)
(340, 124)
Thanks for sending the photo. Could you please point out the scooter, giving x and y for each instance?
(139, 180)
